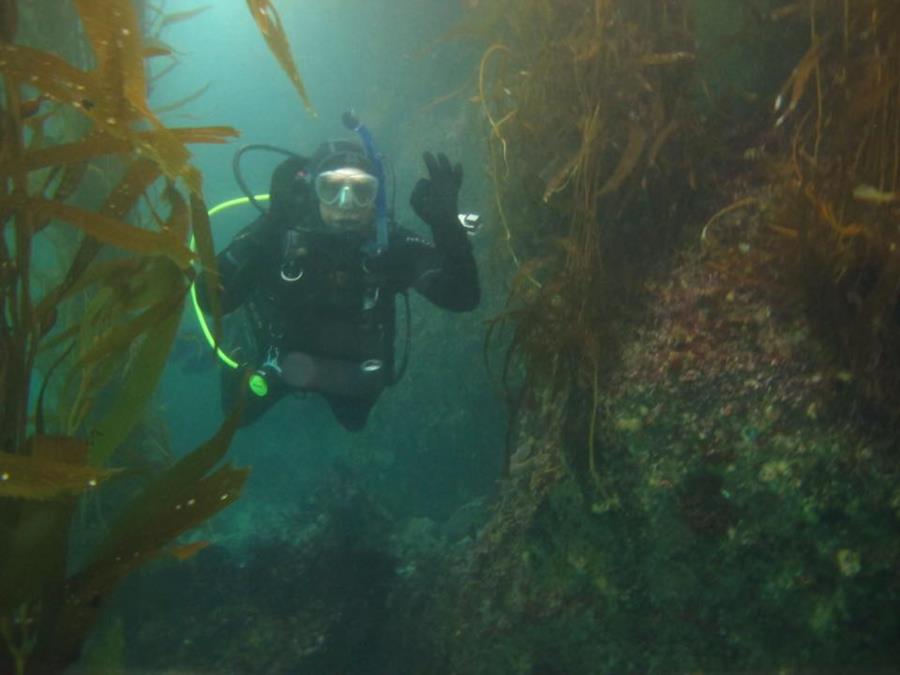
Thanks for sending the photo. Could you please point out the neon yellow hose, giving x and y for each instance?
(201, 319)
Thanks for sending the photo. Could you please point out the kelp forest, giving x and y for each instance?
(697, 206)
(700, 203)
(99, 203)
(610, 137)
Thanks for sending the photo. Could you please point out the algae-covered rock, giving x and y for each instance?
(728, 528)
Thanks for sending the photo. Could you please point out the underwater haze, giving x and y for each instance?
(384, 64)
(648, 392)
(432, 447)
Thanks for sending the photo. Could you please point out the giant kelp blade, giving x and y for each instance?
(65, 83)
(181, 102)
(155, 299)
(269, 23)
(800, 77)
(66, 154)
(41, 478)
(113, 29)
(144, 371)
(108, 272)
(169, 152)
(173, 488)
(86, 91)
(138, 178)
(559, 171)
(72, 176)
(9, 20)
(37, 498)
(178, 17)
(216, 134)
(479, 24)
(52, 75)
(86, 591)
(35, 550)
(154, 47)
(139, 291)
(637, 139)
(35, 547)
(100, 145)
(179, 220)
(204, 244)
(39, 419)
(118, 338)
(81, 261)
(181, 498)
(105, 229)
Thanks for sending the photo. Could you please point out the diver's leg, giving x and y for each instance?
(351, 412)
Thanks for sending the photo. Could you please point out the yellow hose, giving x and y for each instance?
(201, 319)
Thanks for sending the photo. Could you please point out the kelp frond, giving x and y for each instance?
(586, 134)
(177, 17)
(113, 204)
(175, 105)
(837, 212)
(52, 467)
(184, 496)
(269, 23)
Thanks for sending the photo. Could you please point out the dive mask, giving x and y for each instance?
(347, 188)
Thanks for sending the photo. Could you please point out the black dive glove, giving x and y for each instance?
(434, 199)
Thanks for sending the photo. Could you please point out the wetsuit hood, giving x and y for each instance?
(340, 154)
(292, 198)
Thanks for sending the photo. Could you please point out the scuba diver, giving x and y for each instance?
(318, 273)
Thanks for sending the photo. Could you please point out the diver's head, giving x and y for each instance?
(347, 198)
(345, 187)
(291, 197)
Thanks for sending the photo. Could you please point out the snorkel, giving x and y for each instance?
(380, 243)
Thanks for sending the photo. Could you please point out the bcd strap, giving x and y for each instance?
(292, 252)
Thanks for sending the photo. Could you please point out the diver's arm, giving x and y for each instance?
(238, 267)
(445, 274)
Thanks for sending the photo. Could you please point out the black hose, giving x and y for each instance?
(239, 177)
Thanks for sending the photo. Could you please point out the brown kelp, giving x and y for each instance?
(726, 439)
(839, 184)
(100, 187)
(269, 22)
(586, 105)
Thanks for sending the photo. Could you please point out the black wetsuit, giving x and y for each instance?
(314, 293)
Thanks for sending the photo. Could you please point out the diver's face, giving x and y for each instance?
(343, 219)
(347, 199)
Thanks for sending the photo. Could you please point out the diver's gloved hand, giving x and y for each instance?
(435, 199)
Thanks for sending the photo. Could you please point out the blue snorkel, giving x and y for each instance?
(380, 244)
